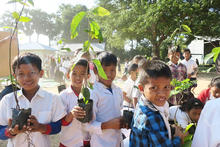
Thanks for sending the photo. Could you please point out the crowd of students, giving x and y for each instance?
(146, 91)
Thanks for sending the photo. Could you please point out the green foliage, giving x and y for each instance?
(86, 46)
(213, 54)
(157, 20)
(180, 86)
(101, 72)
(66, 49)
(75, 23)
(86, 94)
(100, 11)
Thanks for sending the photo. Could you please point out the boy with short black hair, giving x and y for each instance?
(72, 133)
(191, 66)
(107, 105)
(47, 108)
(150, 125)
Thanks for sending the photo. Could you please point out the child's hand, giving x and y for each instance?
(116, 123)
(35, 126)
(179, 132)
(78, 112)
(14, 131)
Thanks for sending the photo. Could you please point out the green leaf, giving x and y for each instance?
(66, 49)
(75, 23)
(86, 93)
(188, 143)
(90, 85)
(208, 56)
(15, 15)
(31, 2)
(60, 41)
(216, 51)
(94, 30)
(188, 127)
(24, 19)
(73, 67)
(100, 11)
(186, 28)
(174, 33)
(209, 69)
(101, 72)
(86, 46)
(7, 27)
(59, 59)
(100, 37)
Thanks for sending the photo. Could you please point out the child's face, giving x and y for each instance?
(194, 114)
(134, 75)
(186, 55)
(174, 57)
(215, 91)
(110, 72)
(77, 75)
(157, 90)
(28, 76)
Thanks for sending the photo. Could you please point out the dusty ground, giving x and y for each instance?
(50, 85)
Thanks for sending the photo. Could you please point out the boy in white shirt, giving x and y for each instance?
(72, 130)
(191, 66)
(107, 105)
(47, 109)
(129, 85)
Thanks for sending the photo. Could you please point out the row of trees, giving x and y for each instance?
(55, 25)
(153, 21)
(146, 24)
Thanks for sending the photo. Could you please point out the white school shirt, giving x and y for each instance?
(190, 66)
(106, 106)
(45, 106)
(128, 88)
(164, 112)
(208, 127)
(181, 117)
(71, 135)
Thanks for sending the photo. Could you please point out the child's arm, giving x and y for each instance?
(8, 132)
(126, 98)
(49, 129)
(77, 112)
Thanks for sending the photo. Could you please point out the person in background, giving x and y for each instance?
(136, 93)
(129, 85)
(191, 66)
(186, 113)
(150, 125)
(178, 70)
(212, 92)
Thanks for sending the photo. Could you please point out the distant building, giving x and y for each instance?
(201, 46)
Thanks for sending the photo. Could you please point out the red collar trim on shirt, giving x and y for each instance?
(77, 94)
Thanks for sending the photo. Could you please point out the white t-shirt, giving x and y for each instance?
(181, 117)
(208, 127)
(71, 135)
(106, 106)
(46, 107)
(128, 88)
(190, 66)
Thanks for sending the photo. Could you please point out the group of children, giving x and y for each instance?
(52, 114)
